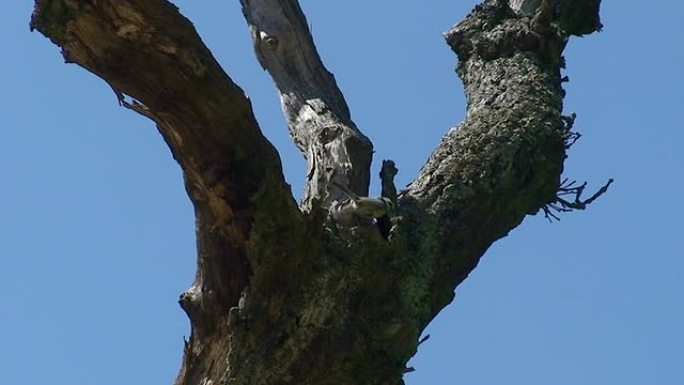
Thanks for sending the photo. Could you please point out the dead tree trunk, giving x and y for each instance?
(284, 294)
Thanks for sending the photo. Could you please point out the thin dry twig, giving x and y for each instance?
(562, 205)
(571, 136)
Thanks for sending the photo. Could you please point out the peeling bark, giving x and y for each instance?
(284, 295)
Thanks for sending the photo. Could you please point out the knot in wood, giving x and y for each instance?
(269, 41)
(329, 133)
(128, 31)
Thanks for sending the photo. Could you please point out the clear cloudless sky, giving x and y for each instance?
(97, 234)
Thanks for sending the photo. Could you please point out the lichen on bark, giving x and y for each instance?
(283, 294)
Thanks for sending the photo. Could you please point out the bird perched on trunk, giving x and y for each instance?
(348, 211)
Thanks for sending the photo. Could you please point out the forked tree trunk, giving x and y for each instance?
(284, 294)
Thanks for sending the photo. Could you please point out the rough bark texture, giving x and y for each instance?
(574, 17)
(148, 51)
(286, 296)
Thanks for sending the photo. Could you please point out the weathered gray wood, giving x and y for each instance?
(285, 297)
(316, 112)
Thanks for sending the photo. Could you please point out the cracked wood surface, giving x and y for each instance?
(158, 66)
(285, 297)
(317, 114)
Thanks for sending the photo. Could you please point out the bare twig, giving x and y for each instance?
(387, 174)
(561, 205)
(571, 136)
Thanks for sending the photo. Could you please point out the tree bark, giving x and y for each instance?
(284, 295)
(316, 112)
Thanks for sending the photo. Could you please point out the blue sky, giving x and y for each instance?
(97, 232)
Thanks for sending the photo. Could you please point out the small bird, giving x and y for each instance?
(362, 207)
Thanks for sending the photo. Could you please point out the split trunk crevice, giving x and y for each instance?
(283, 295)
